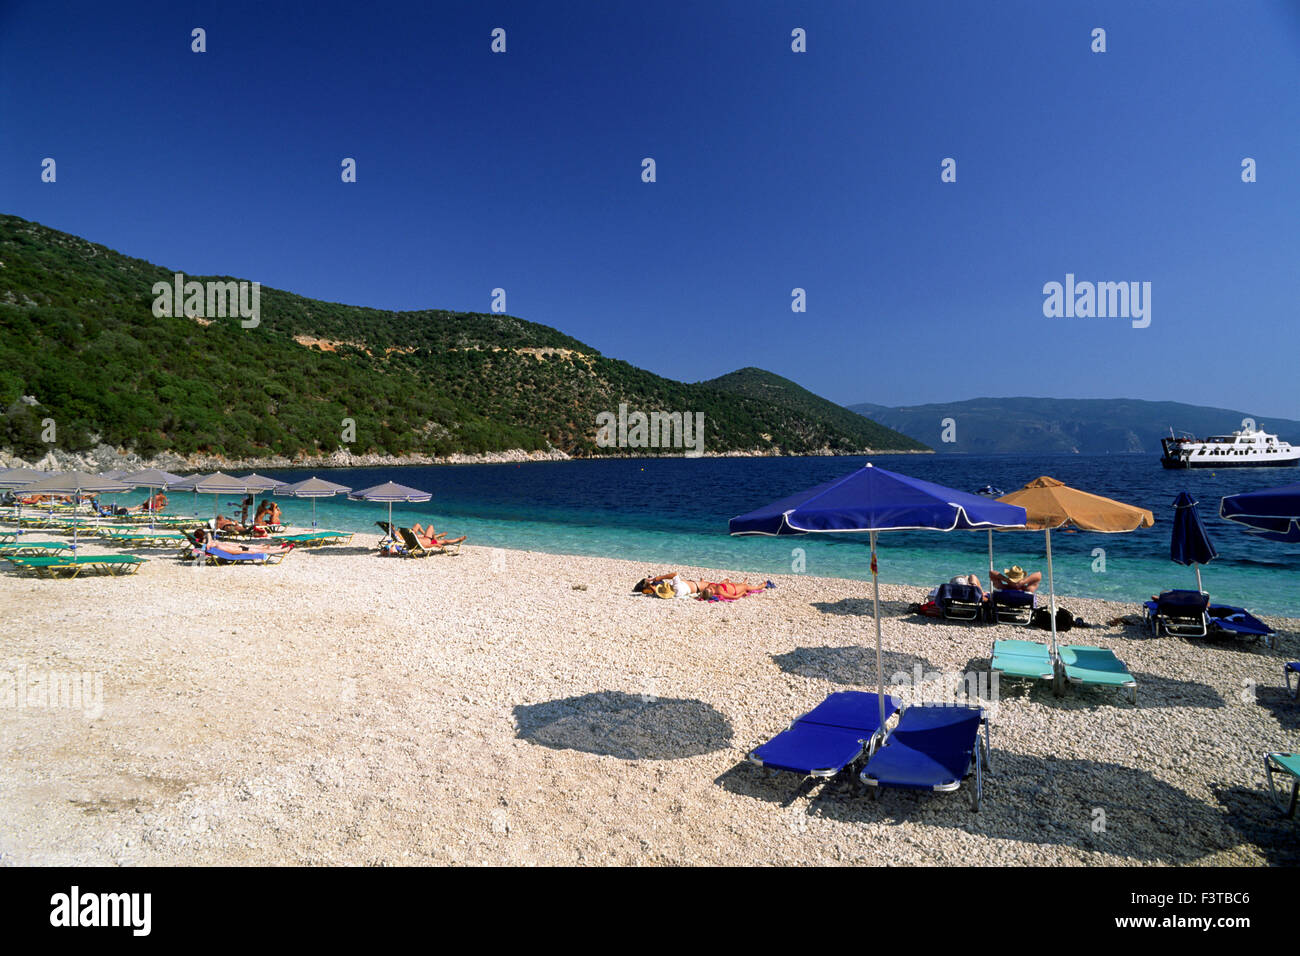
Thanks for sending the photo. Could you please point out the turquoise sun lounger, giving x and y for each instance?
(34, 549)
(1096, 667)
(1288, 764)
(1025, 660)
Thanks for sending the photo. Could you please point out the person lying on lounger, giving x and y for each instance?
(432, 539)
(1014, 578)
(967, 580)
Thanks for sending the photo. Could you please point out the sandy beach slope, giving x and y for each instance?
(506, 707)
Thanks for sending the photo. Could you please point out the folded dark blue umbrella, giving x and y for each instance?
(1190, 543)
(1273, 513)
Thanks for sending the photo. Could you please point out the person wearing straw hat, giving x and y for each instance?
(1015, 578)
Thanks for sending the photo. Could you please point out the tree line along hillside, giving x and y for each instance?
(78, 335)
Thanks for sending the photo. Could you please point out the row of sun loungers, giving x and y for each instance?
(1182, 613)
(69, 566)
(1177, 613)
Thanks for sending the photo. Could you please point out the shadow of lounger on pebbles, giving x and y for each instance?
(1057, 802)
(627, 726)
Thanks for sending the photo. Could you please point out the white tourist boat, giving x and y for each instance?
(1247, 448)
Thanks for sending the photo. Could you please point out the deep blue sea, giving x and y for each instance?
(669, 512)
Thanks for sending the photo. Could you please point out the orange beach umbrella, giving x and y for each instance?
(1050, 504)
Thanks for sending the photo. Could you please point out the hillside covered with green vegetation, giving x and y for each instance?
(764, 386)
(79, 337)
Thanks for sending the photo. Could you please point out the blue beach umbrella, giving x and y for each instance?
(873, 500)
(1190, 543)
(390, 491)
(1273, 513)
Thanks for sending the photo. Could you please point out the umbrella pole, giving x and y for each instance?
(1198, 579)
(989, 582)
(1051, 594)
(880, 667)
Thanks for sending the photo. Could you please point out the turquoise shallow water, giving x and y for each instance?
(668, 512)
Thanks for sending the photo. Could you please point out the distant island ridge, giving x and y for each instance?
(1094, 426)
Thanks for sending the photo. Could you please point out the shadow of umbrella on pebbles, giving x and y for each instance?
(626, 726)
(846, 665)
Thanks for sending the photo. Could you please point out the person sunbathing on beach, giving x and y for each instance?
(1014, 578)
(432, 539)
(227, 526)
(674, 585)
(268, 513)
(681, 587)
(157, 503)
(967, 580)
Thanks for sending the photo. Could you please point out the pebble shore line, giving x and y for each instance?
(509, 707)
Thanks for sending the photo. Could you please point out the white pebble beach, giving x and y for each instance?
(509, 707)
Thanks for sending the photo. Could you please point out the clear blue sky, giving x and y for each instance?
(775, 170)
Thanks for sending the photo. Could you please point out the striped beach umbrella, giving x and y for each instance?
(390, 491)
(74, 483)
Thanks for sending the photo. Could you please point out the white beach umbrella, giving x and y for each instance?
(14, 478)
(151, 478)
(312, 488)
(218, 484)
(187, 484)
(74, 483)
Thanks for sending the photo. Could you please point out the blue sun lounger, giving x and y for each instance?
(934, 747)
(1237, 621)
(828, 738)
(960, 602)
(1179, 613)
(1010, 606)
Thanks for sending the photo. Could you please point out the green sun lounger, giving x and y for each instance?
(33, 549)
(1026, 660)
(1283, 763)
(314, 539)
(155, 538)
(69, 566)
(1096, 667)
